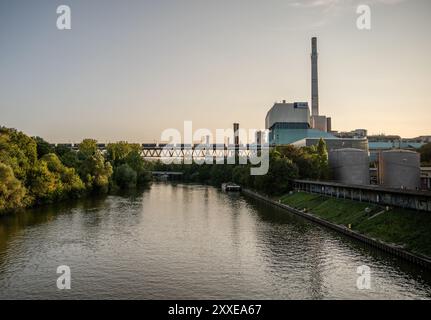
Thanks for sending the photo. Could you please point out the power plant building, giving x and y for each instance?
(290, 122)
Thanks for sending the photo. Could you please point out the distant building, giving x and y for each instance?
(380, 143)
(357, 133)
(426, 139)
(334, 143)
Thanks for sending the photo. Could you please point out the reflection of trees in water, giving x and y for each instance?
(11, 225)
(293, 245)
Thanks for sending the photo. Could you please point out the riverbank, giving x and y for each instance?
(404, 233)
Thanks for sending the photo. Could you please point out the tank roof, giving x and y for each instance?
(399, 151)
(348, 150)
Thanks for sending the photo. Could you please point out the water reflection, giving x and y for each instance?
(189, 241)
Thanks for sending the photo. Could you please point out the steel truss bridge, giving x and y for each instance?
(194, 151)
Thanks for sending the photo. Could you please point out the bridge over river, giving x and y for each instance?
(194, 151)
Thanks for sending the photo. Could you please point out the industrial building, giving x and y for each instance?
(334, 143)
(380, 143)
(395, 164)
(292, 123)
(357, 133)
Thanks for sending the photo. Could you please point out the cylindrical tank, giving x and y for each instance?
(401, 169)
(350, 166)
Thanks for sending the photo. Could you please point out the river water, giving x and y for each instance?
(179, 241)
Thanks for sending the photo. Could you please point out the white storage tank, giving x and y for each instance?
(401, 169)
(350, 166)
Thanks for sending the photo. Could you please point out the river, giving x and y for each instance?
(180, 241)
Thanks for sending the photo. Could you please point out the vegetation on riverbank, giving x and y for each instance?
(406, 228)
(34, 172)
(425, 152)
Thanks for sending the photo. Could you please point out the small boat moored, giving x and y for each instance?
(230, 186)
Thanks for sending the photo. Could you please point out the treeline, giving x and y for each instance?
(285, 163)
(34, 172)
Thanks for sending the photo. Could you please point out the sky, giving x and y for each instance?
(127, 70)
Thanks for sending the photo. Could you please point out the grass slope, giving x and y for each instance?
(407, 228)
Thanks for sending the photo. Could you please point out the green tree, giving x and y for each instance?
(142, 168)
(12, 192)
(241, 175)
(18, 151)
(125, 177)
(117, 153)
(94, 171)
(45, 186)
(43, 147)
(87, 148)
(277, 180)
(425, 152)
(322, 157)
(72, 185)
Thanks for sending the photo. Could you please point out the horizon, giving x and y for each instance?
(128, 71)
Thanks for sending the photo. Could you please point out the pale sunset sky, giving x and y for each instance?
(127, 70)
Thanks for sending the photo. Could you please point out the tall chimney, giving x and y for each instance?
(236, 133)
(314, 81)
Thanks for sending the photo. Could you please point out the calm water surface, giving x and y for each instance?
(190, 241)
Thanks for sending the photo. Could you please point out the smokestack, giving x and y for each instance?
(236, 133)
(328, 124)
(314, 81)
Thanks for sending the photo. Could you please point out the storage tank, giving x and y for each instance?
(350, 166)
(401, 169)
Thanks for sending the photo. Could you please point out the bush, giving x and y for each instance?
(12, 192)
(125, 177)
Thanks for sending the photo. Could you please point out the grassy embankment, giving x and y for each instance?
(407, 228)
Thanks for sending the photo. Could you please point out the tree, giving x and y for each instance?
(94, 171)
(118, 152)
(425, 152)
(322, 157)
(43, 147)
(44, 185)
(135, 161)
(18, 151)
(87, 148)
(12, 192)
(277, 180)
(125, 177)
(241, 175)
(72, 185)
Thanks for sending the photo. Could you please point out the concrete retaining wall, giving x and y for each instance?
(422, 261)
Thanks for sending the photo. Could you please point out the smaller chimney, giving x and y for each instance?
(236, 133)
(328, 124)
